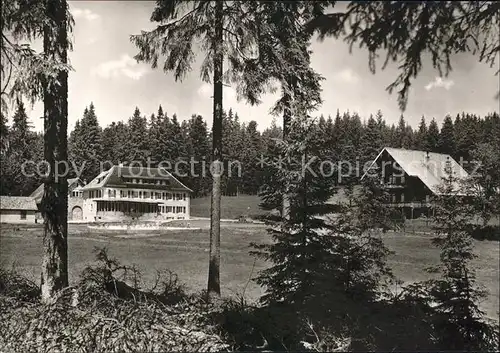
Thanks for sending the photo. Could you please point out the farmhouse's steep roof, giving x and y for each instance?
(25, 203)
(38, 193)
(429, 167)
(119, 176)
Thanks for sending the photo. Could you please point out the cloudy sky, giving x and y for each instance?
(106, 73)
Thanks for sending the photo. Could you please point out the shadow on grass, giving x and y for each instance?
(109, 310)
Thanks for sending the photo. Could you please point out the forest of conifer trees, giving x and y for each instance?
(164, 137)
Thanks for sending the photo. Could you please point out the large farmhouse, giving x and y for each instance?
(412, 177)
(135, 193)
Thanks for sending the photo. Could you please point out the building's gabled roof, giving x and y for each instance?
(121, 177)
(38, 193)
(25, 203)
(429, 167)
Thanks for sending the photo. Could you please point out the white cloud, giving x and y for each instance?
(347, 75)
(126, 66)
(439, 82)
(91, 40)
(84, 13)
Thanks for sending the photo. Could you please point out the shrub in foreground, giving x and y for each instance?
(105, 313)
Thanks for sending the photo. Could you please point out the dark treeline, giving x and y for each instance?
(163, 137)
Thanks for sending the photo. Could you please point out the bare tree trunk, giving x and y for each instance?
(213, 289)
(54, 275)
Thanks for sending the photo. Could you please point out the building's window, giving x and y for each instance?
(402, 197)
(184, 196)
(403, 179)
(427, 198)
(169, 209)
(393, 198)
(169, 196)
(23, 214)
(135, 194)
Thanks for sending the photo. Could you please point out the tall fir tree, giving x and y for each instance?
(86, 149)
(175, 43)
(22, 148)
(300, 254)
(114, 138)
(421, 143)
(404, 133)
(250, 154)
(137, 146)
(446, 142)
(432, 139)
(371, 143)
(459, 322)
(199, 150)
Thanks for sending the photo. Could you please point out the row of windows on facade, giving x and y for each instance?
(140, 194)
(394, 199)
(140, 181)
(147, 208)
(147, 181)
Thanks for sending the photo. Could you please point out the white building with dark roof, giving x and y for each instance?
(17, 209)
(135, 193)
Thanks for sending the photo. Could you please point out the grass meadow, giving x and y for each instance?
(185, 252)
